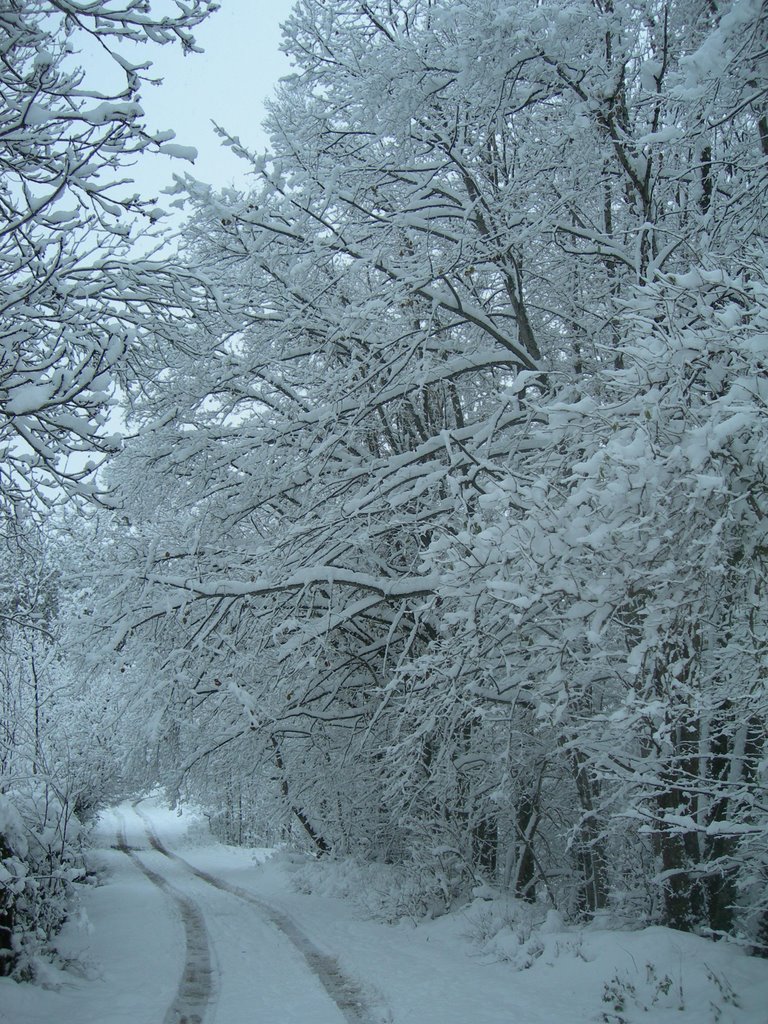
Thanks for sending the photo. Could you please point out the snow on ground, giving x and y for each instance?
(127, 953)
(124, 948)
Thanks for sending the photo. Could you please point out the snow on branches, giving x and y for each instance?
(75, 305)
(460, 529)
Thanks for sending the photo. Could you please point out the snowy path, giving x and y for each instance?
(342, 990)
(266, 970)
(196, 988)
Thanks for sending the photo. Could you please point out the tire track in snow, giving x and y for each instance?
(195, 991)
(345, 993)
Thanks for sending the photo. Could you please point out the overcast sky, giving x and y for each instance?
(228, 83)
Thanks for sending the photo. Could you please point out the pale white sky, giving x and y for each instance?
(227, 83)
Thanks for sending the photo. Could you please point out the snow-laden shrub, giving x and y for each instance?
(384, 892)
(40, 858)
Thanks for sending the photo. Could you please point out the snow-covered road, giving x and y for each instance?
(196, 986)
(264, 967)
(239, 925)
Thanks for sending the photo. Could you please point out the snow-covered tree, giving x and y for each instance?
(83, 287)
(462, 519)
(75, 302)
(55, 763)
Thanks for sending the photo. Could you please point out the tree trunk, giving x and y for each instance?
(321, 845)
(526, 819)
(485, 845)
(588, 843)
(6, 921)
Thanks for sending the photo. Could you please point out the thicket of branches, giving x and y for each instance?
(455, 543)
(442, 537)
(84, 317)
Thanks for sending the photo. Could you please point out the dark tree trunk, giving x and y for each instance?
(485, 845)
(6, 921)
(321, 845)
(588, 843)
(525, 823)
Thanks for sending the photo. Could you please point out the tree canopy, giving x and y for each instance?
(76, 302)
(89, 308)
(443, 533)
(473, 479)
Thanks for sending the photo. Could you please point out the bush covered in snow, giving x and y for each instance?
(40, 858)
(385, 892)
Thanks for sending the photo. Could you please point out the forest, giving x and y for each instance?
(412, 505)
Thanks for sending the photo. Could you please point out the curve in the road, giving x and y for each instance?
(343, 990)
(195, 991)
